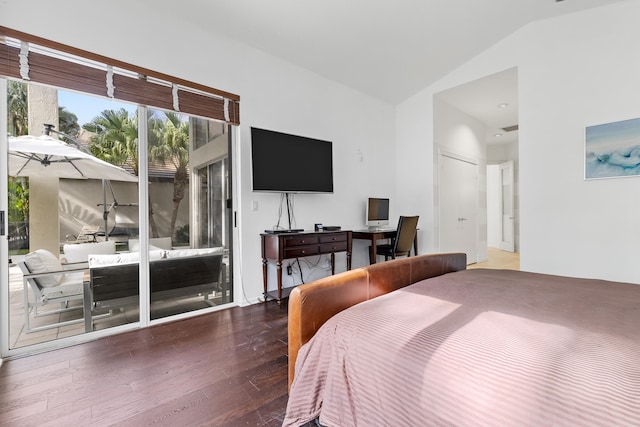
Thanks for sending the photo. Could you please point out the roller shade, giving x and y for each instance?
(30, 58)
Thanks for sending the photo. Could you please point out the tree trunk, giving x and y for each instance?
(180, 182)
(152, 222)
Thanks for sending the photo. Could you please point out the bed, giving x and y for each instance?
(423, 341)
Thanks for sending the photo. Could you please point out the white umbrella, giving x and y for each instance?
(45, 156)
(50, 157)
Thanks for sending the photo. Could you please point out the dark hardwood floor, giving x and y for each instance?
(227, 368)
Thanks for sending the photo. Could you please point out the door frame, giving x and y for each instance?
(509, 246)
(144, 319)
(4, 243)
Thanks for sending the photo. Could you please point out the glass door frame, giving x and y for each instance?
(144, 319)
(4, 242)
(228, 235)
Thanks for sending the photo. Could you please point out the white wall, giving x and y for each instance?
(274, 95)
(573, 71)
(590, 227)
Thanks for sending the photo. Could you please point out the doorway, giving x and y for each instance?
(479, 120)
(501, 206)
(458, 197)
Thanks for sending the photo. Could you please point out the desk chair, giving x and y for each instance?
(402, 242)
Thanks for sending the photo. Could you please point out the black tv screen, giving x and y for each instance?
(287, 163)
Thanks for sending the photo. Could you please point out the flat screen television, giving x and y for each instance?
(377, 212)
(286, 163)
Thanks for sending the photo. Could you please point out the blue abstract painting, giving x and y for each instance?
(613, 149)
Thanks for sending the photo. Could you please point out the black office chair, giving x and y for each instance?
(402, 243)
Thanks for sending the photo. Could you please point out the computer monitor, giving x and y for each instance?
(377, 212)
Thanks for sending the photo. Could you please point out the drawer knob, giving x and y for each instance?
(304, 251)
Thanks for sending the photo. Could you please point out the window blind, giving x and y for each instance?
(31, 58)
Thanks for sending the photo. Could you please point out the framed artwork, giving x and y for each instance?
(612, 150)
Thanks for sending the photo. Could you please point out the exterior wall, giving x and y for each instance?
(80, 203)
(43, 218)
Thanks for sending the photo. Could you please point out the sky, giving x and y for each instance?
(87, 107)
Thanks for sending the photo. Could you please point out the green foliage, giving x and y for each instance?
(18, 200)
(18, 188)
(116, 138)
(17, 103)
(116, 141)
(182, 235)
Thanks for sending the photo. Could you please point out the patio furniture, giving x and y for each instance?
(79, 252)
(50, 283)
(114, 279)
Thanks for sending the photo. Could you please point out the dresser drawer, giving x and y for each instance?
(337, 237)
(327, 248)
(300, 240)
(301, 251)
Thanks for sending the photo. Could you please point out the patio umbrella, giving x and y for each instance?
(50, 157)
(45, 156)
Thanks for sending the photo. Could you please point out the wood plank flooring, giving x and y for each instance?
(227, 368)
(499, 259)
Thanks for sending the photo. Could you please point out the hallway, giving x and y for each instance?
(499, 259)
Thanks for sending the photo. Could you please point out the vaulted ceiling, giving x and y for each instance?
(389, 49)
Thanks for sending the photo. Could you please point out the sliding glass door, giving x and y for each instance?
(214, 214)
(187, 273)
(155, 181)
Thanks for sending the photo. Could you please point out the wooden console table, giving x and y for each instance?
(279, 247)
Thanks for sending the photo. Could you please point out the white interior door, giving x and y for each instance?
(507, 240)
(458, 185)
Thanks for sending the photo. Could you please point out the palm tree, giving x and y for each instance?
(115, 141)
(172, 146)
(18, 108)
(115, 138)
(68, 122)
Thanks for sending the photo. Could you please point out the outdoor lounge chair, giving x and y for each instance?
(49, 283)
(88, 233)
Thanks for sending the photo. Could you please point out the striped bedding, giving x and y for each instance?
(477, 348)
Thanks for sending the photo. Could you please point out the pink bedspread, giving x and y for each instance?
(477, 348)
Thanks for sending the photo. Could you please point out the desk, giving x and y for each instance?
(278, 247)
(374, 235)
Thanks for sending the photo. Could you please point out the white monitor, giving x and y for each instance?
(377, 212)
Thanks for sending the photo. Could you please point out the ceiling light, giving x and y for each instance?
(498, 135)
(503, 105)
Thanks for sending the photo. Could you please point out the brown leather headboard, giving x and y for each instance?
(312, 304)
